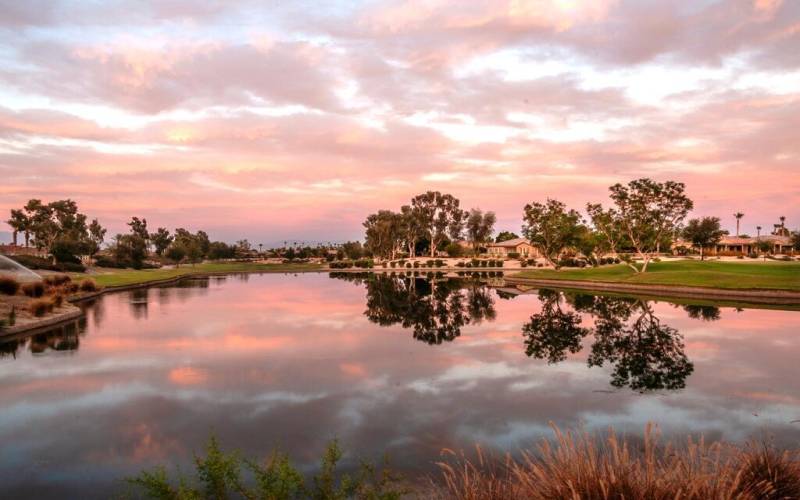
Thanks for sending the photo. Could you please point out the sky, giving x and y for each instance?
(274, 120)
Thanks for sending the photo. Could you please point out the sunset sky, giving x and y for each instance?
(274, 120)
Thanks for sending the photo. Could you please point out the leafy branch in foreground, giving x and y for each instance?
(220, 475)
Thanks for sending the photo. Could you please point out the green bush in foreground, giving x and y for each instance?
(221, 475)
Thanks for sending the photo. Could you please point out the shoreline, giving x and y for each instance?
(775, 297)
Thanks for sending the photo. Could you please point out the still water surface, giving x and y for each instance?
(393, 365)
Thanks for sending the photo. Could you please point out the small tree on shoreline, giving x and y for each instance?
(647, 213)
(551, 227)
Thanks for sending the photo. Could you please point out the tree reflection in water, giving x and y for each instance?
(644, 353)
(435, 309)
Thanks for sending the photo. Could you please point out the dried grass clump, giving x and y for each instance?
(577, 466)
(58, 300)
(40, 307)
(57, 280)
(88, 285)
(34, 290)
(9, 286)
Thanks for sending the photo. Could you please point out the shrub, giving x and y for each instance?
(408, 265)
(58, 300)
(523, 263)
(454, 250)
(393, 264)
(475, 263)
(40, 307)
(33, 289)
(8, 286)
(416, 264)
(484, 263)
(88, 285)
(460, 264)
(221, 474)
(57, 279)
(71, 267)
(469, 264)
(439, 263)
(33, 262)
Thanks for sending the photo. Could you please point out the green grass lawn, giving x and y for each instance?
(712, 274)
(117, 277)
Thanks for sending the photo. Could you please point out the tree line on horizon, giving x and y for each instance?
(643, 218)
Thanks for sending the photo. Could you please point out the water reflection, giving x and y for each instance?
(434, 309)
(288, 362)
(64, 338)
(627, 335)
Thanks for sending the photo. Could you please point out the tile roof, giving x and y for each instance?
(510, 243)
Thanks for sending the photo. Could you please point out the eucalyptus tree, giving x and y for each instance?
(20, 223)
(703, 233)
(551, 227)
(139, 228)
(480, 226)
(97, 234)
(440, 217)
(161, 240)
(647, 213)
(411, 227)
(384, 233)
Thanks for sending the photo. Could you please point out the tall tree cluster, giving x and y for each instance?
(433, 218)
(57, 227)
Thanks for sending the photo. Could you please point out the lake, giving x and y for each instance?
(385, 364)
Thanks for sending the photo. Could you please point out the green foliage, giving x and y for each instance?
(505, 236)
(161, 240)
(439, 217)
(176, 252)
(220, 250)
(353, 250)
(220, 475)
(551, 227)
(703, 233)
(454, 250)
(384, 232)
(647, 213)
(129, 250)
(480, 226)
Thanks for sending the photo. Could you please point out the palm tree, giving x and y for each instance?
(738, 216)
(783, 221)
(758, 228)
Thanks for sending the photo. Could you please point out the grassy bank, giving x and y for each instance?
(726, 275)
(119, 277)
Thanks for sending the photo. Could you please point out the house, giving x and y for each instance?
(520, 246)
(737, 245)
